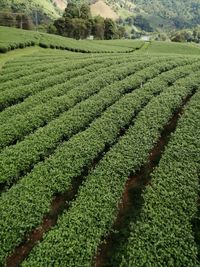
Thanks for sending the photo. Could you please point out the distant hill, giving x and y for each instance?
(61, 4)
(104, 10)
(161, 13)
(164, 14)
(52, 8)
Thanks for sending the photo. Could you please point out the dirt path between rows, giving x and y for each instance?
(131, 201)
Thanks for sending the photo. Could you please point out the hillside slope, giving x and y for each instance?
(104, 10)
(161, 13)
(53, 8)
(12, 38)
(98, 153)
(176, 13)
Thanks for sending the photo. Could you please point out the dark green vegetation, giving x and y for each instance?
(178, 12)
(76, 130)
(146, 15)
(48, 7)
(186, 35)
(173, 194)
(77, 22)
(164, 13)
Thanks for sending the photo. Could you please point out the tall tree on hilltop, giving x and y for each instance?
(71, 11)
(77, 22)
(85, 12)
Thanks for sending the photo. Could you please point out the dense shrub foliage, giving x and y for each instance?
(90, 121)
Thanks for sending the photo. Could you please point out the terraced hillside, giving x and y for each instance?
(99, 155)
(11, 39)
(52, 8)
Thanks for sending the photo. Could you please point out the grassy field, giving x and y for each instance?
(173, 48)
(99, 152)
(47, 6)
(15, 38)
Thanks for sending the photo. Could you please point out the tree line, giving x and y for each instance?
(186, 35)
(77, 22)
(17, 20)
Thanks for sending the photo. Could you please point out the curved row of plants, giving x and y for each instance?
(55, 91)
(18, 93)
(53, 70)
(52, 56)
(21, 125)
(58, 89)
(30, 61)
(23, 70)
(17, 38)
(24, 204)
(79, 231)
(50, 41)
(4, 48)
(46, 139)
(163, 235)
(30, 69)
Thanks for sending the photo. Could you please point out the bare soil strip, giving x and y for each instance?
(60, 203)
(131, 202)
(196, 228)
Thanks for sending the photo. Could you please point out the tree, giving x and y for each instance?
(121, 32)
(79, 28)
(78, 23)
(7, 19)
(196, 35)
(98, 27)
(23, 21)
(71, 11)
(162, 37)
(19, 22)
(129, 21)
(183, 36)
(60, 25)
(110, 29)
(85, 12)
(52, 29)
(141, 22)
(27, 22)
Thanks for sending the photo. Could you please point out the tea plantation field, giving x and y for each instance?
(99, 152)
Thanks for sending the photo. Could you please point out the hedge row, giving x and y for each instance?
(24, 39)
(56, 90)
(30, 61)
(52, 56)
(19, 126)
(59, 90)
(56, 173)
(53, 70)
(49, 41)
(18, 94)
(79, 231)
(4, 48)
(163, 235)
(46, 139)
(25, 70)
(82, 50)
